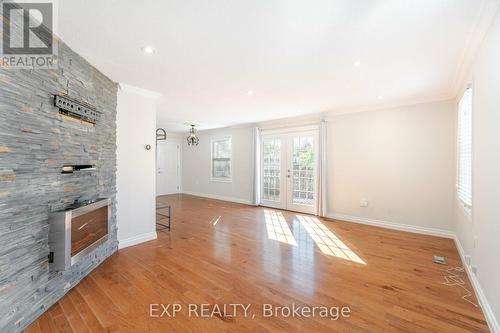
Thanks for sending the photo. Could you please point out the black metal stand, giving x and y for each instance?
(161, 226)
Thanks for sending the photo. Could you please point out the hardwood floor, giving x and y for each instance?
(227, 253)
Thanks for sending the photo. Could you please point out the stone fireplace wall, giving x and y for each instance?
(35, 142)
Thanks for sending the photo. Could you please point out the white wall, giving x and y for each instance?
(484, 224)
(401, 160)
(136, 127)
(196, 166)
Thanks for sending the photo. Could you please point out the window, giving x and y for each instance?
(221, 159)
(464, 181)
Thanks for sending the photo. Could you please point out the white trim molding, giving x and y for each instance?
(473, 41)
(140, 91)
(170, 193)
(123, 243)
(291, 129)
(219, 197)
(483, 301)
(392, 225)
(333, 113)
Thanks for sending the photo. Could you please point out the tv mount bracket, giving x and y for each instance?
(76, 109)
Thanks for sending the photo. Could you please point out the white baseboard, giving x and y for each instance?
(123, 243)
(488, 312)
(392, 225)
(169, 193)
(219, 197)
(483, 301)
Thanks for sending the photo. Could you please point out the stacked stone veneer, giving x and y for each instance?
(35, 142)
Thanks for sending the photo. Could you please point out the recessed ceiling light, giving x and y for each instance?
(250, 92)
(379, 97)
(148, 49)
(357, 63)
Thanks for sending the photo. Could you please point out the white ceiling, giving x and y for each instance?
(295, 55)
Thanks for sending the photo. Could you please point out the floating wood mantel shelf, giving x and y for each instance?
(76, 168)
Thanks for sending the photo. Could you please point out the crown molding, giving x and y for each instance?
(315, 118)
(329, 115)
(482, 23)
(307, 119)
(139, 91)
(228, 128)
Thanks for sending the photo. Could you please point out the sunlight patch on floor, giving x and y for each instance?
(326, 240)
(277, 228)
(215, 220)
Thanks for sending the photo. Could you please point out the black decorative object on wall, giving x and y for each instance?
(192, 139)
(74, 108)
(161, 134)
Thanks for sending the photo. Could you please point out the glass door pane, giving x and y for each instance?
(303, 169)
(271, 169)
(288, 166)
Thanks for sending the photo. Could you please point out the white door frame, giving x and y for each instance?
(286, 177)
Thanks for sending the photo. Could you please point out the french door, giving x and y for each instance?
(288, 171)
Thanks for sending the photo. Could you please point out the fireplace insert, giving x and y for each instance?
(77, 231)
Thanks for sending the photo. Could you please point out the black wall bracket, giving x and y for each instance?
(76, 109)
(161, 134)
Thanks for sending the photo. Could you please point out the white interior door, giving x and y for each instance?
(288, 171)
(167, 167)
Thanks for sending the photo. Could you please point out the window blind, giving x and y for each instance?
(464, 181)
(221, 158)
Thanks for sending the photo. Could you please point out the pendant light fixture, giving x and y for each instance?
(192, 139)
